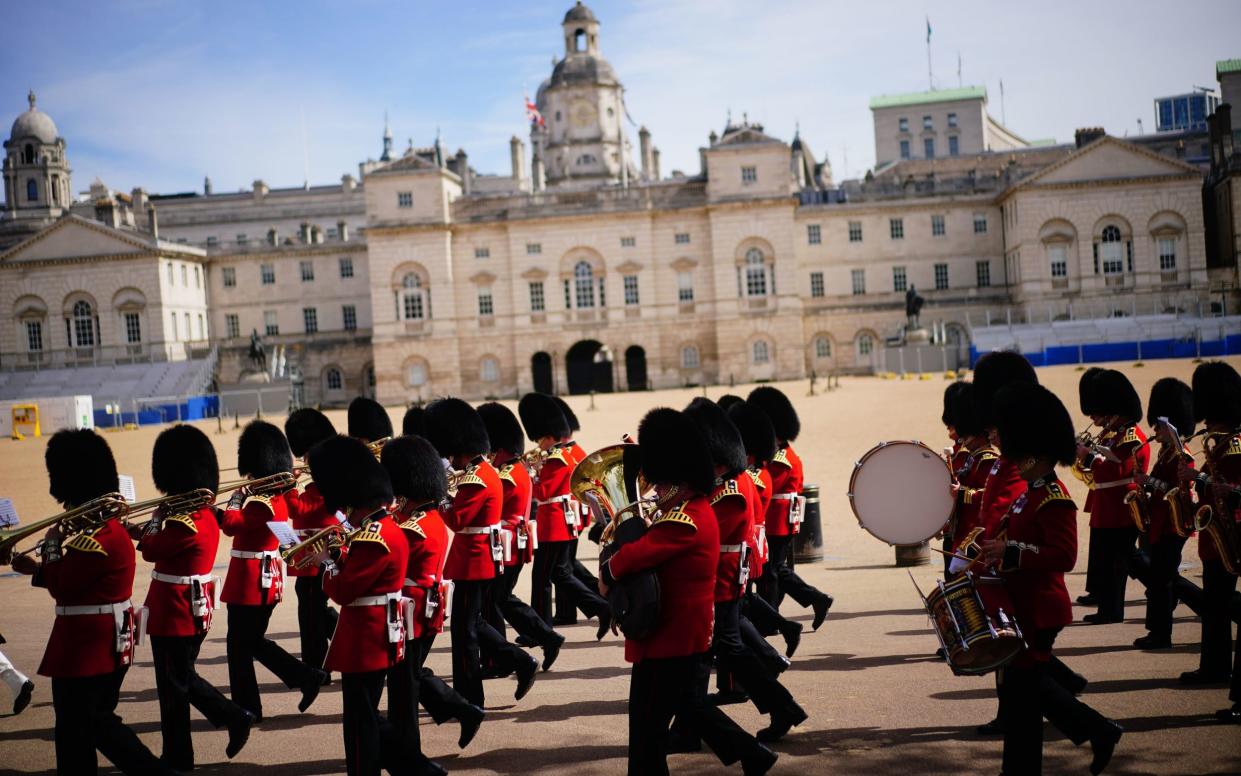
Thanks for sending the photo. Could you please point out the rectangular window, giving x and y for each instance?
(928, 147)
(983, 270)
(232, 325)
(537, 302)
(230, 277)
(631, 289)
(482, 253)
(185, 276)
(896, 228)
(816, 284)
(349, 317)
(242, 239)
(331, 233)
(34, 336)
(486, 305)
(681, 238)
(952, 120)
(405, 199)
(980, 223)
(904, 149)
(271, 324)
(188, 334)
(198, 277)
(937, 226)
(941, 277)
(927, 123)
(212, 241)
(1167, 253)
(534, 249)
(310, 318)
(954, 146)
(749, 174)
(814, 234)
(346, 268)
(202, 327)
(172, 278)
(902, 124)
(858, 277)
(173, 317)
(855, 231)
(133, 328)
(1058, 256)
(308, 271)
(267, 274)
(628, 242)
(685, 286)
(898, 279)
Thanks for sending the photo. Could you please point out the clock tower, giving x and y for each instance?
(583, 141)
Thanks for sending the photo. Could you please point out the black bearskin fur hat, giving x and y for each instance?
(779, 410)
(959, 409)
(1217, 393)
(952, 400)
(1033, 422)
(80, 467)
(1115, 395)
(263, 450)
(306, 428)
(416, 470)
(569, 416)
(542, 417)
(503, 429)
(756, 431)
(455, 428)
(183, 459)
(673, 452)
(1172, 399)
(721, 435)
(347, 474)
(415, 421)
(1086, 392)
(727, 401)
(368, 420)
(994, 371)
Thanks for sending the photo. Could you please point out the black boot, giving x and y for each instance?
(551, 651)
(1103, 743)
(781, 722)
(821, 606)
(525, 678)
(470, 723)
(792, 637)
(310, 688)
(759, 762)
(238, 733)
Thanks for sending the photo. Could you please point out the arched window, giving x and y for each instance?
(32, 190)
(28, 154)
(755, 273)
(689, 357)
(334, 380)
(579, 40)
(1111, 251)
(584, 285)
(822, 347)
(587, 159)
(760, 352)
(865, 344)
(83, 325)
(412, 297)
(489, 370)
(416, 374)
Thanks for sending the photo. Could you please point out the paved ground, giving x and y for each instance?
(878, 701)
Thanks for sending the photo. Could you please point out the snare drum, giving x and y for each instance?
(901, 492)
(972, 617)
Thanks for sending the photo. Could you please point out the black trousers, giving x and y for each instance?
(316, 620)
(765, 617)
(467, 616)
(440, 701)
(1028, 693)
(179, 686)
(498, 655)
(553, 565)
(661, 688)
(741, 665)
(247, 642)
(1165, 559)
(86, 721)
(1217, 589)
(372, 742)
(504, 606)
(1092, 564)
(1115, 547)
(779, 578)
(566, 603)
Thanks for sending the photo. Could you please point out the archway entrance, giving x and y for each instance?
(541, 371)
(588, 367)
(635, 368)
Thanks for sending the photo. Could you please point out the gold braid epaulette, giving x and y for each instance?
(506, 473)
(677, 515)
(412, 524)
(371, 534)
(757, 477)
(182, 519)
(85, 542)
(781, 457)
(724, 491)
(1055, 493)
(264, 500)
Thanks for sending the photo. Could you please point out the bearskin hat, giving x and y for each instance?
(1217, 393)
(368, 420)
(722, 437)
(184, 459)
(503, 429)
(306, 428)
(415, 421)
(727, 401)
(1113, 394)
(1172, 399)
(672, 451)
(1033, 422)
(994, 371)
(779, 410)
(347, 474)
(80, 467)
(456, 428)
(263, 450)
(1086, 392)
(415, 469)
(959, 410)
(569, 416)
(542, 417)
(951, 400)
(756, 431)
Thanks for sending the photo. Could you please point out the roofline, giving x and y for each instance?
(925, 98)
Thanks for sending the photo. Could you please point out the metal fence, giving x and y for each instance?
(265, 399)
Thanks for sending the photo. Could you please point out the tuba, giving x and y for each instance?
(1215, 518)
(81, 518)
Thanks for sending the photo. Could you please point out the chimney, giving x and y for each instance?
(347, 183)
(1087, 135)
(342, 231)
(517, 157)
(304, 233)
(644, 149)
(655, 164)
(207, 186)
(702, 159)
(138, 199)
(260, 189)
(463, 170)
(152, 222)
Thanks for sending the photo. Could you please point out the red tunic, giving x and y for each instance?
(787, 477)
(752, 485)
(372, 567)
(972, 470)
(577, 454)
(97, 567)
(1226, 471)
(550, 490)
(184, 547)
(683, 547)
(428, 546)
(308, 515)
(515, 514)
(477, 505)
(734, 515)
(1113, 480)
(248, 527)
(1042, 547)
(1004, 485)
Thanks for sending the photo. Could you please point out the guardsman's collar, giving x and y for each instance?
(477, 460)
(378, 513)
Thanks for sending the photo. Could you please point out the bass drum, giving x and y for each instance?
(901, 492)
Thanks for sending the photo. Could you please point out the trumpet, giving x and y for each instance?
(306, 553)
(81, 518)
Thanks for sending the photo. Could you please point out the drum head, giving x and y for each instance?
(900, 492)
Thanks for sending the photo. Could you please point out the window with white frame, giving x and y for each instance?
(334, 380)
(982, 271)
(980, 223)
(489, 370)
(486, 303)
(941, 277)
(310, 319)
(537, 302)
(628, 242)
(928, 147)
(413, 298)
(1111, 251)
(212, 241)
(858, 278)
(583, 285)
(816, 284)
(814, 234)
(232, 325)
(482, 253)
(954, 145)
(952, 120)
(685, 286)
(689, 357)
(173, 318)
(905, 154)
(405, 199)
(899, 282)
(83, 324)
(198, 277)
(755, 273)
(1167, 254)
(865, 344)
(749, 174)
(267, 274)
(937, 226)
(185, 276)
(308, 271)
(242, 239)
(229, 275)
(346, 267)
(760, 352)
(349, 317)
(188, 334)
(534, 249)
(927, 123)
(902, 124)
(34, 336)
(822, 347)
(271, 323)
(896, 228)
(681, 238)
(202, 327)
(1058, 258)
(416, 374)
(630, 284)
(855, 231)
(133, 328)
(172, 278)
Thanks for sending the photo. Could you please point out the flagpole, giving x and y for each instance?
(930, 79)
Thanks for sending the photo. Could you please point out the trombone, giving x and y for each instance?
(262, 486)
(81, 518)
(304, 554)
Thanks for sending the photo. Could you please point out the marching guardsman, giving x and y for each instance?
(520, 539)
(1033, 546)
(90, 574)
(784, 516)
(1170, 415)
(682, 546)
(1086, 403)
(316, 619)
(421, 485)
(476, 553)
(181, 599)
(557, 515)
(566, 614)
(1120, 456)
(365, 576)
(368, 420)
(971, 465)
(1217, 404)
(255, 580)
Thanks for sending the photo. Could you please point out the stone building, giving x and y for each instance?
(944, 122)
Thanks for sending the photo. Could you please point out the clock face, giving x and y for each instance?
(582, 114)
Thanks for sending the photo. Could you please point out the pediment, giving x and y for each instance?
(534, 273)
(1110, 159)
(76, 238)
(630, 267)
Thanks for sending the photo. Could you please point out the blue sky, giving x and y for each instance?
(160, 93)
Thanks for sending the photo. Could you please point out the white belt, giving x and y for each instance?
(729, 549)
(425, 583)
(71, 611)
(478, 530)
(785, 496)
(248, 555)
(370, 600)
(556, 500)
(159, 576)
(1112, 484)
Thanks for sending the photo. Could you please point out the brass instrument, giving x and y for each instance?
(1084, 439)
(175, 504)
(535, 458)
(1138, 502)
(377, 447)
(306, 553)
(81, 518)
(1215, 518)
(262, 486)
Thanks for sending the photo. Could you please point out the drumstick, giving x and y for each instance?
(953, 554)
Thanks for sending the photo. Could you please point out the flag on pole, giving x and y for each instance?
(928, 29)
(533, 114)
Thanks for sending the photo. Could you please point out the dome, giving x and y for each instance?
(578, 68)
(34, 123)
(580, 13)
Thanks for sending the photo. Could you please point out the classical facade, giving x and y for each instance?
(581, 269)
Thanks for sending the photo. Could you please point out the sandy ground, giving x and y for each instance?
(878, 701)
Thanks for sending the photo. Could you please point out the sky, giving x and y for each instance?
(160, 93)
